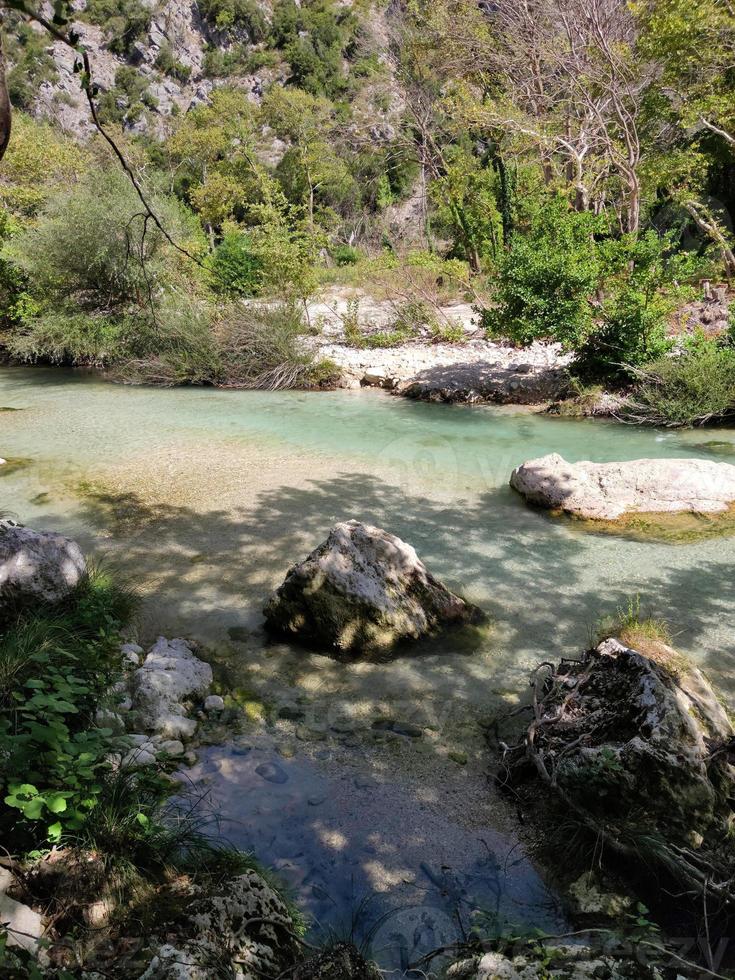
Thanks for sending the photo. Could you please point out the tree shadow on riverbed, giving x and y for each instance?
(545, 582)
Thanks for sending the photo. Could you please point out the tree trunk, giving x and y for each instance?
(5, 109)
(706, 223)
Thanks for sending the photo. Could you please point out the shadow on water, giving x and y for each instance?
(545, 583)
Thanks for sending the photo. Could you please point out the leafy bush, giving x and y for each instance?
(546, 280)
(691, 388)
(639, 274)
(236, 269)
(31, 63)
(70, 338)
(244, 15)
(167, 62)
(55, 666)
(124, 21)
(345, 255)
(315, 37)
(92, 246)
(127, 101)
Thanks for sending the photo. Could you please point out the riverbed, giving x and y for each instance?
(205, 498)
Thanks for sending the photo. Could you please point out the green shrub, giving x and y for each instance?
(235, 268)
(546, 280)
(92, 246)
(124, 21)
(691, 388)
(31, 63)
(167, 62)
(641, 278)
(244, 15)
(127, 101)
(70, 338)
(345, 255)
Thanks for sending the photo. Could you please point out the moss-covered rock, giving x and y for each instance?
(363, 589)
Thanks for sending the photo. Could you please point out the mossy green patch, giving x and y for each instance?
(681, 528)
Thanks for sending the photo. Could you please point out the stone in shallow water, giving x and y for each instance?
(608, 491)
(271, 772)
(363, 589)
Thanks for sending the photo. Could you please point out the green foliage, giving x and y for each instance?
(639, 269)
(124, 21)
(55, 666)
(236, 269)
(546, 279)
(66, 337)
(315, 38)
(345, 255)
(692, 387)
(167, 62)
(465, 199)
(128, 100)
(92, 245)
(31, 63)
(242, 15)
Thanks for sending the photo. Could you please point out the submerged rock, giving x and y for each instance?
(37, 566)
(607, 491)
(170, 676)
(246, 930)
(363, 589)
(339, 961)
(641, 747)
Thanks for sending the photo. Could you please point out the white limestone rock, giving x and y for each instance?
(362, 589)
(608, 491)
(37, 566)
(170, 676)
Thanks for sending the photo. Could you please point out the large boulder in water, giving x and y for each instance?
(363, 589)
(641, 747)
(607, 491)
(37, 566)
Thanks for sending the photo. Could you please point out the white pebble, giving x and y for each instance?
(214, 703)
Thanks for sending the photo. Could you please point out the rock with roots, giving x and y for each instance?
(362, 590)
(244, 930)
(37, 566)
(642, 749)
(608, 491)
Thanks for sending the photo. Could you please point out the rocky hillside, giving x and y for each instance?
(154, 59)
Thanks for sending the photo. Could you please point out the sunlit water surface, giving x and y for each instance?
(206, 497)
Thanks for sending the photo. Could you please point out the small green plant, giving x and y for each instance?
(351, 324)
(124, 21)
(167, 62)
(447, 333)
(632, 627)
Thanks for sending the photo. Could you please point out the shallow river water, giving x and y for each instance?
(206, 497)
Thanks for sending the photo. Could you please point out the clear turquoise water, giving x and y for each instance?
(205, 498)
(217, 493)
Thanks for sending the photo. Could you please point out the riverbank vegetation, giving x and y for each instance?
(97, 847)
(566, 169)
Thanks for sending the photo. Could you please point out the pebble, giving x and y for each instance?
(316, 800)
(214, 703)
(271, 772)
